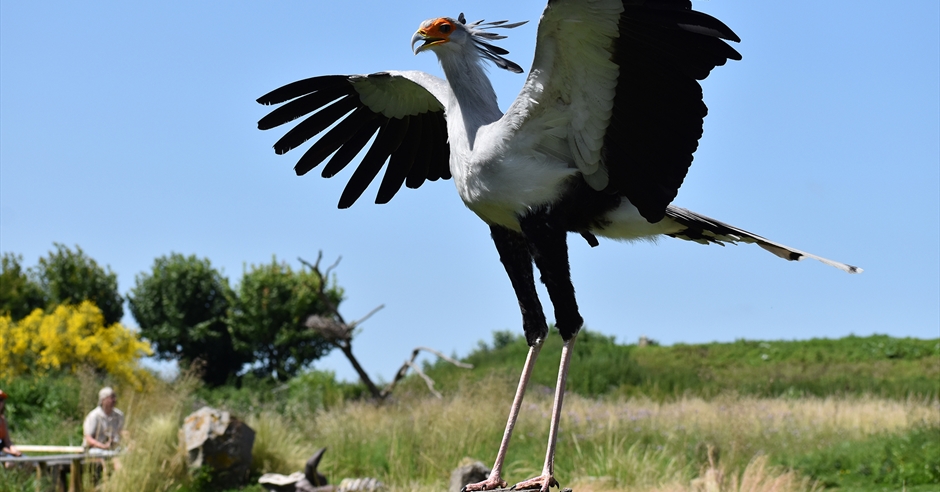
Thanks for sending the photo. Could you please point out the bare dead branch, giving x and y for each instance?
(448, 359)
(321, 288)
(428, 381)
(307, 263)
(411, 363)
(366, 380)
(334, 329)
(329, 269)
(367, 316)
(402, 371)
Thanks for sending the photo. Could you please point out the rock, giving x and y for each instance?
(313, 480)
(221, 442)
(360, 485)
(311, 474)
(275, 482)
(470, 473)
(310, 480)
(305, 485)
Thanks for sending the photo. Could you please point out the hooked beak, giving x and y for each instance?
(429, 41)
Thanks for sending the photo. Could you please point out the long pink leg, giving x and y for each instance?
(495, 479)
(547, 478)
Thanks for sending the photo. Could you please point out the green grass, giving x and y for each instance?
(44, 409)
(858, 413)
(878, 365)
(879, 462)
(305, 394)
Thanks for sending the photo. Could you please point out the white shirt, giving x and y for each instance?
(104, 428)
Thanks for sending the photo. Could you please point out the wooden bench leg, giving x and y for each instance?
(75, 479)
(59, 481)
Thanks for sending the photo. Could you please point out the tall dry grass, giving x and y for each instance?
(414, 442)
(278, 447)
(155, 456)
(758, 476)
(741, 427)
(631, 444)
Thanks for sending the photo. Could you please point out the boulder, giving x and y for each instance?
(221, 442)
(470, 473)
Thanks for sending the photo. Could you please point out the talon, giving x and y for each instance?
(488, 484)
(542, 483)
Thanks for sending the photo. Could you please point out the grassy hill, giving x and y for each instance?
(877, 365)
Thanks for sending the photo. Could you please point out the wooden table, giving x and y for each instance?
(73, 460)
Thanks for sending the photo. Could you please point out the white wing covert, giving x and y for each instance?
(568, 97)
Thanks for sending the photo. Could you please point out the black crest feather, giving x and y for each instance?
(479, 32)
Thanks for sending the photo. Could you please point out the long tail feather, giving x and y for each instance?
(707, 230)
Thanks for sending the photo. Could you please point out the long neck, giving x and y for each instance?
(473, 93)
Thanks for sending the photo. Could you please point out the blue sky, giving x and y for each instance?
(130, 130)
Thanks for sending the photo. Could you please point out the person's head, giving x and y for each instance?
(106, 398)
(3, 402)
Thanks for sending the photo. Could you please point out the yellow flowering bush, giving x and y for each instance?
(68, 338)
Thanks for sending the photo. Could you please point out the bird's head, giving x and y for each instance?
(437, 32)
(445, 33)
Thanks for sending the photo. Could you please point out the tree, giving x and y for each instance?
(268, 318)
(20, 292)
(70, 277)
(181, 307)
(67, 338)
(335, 330)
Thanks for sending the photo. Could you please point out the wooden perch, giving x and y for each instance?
(334, 329)
(566, 489)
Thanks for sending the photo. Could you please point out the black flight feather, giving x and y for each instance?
(302, 105)
(350, 149)
(301, 87)
(315, 123)
(334, 139)
(387, 141)
(400, 162)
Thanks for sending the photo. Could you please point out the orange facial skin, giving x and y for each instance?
(433, 32)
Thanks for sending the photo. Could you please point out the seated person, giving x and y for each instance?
(103, 425)
(6, 444)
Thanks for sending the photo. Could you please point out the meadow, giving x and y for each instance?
(859, 413)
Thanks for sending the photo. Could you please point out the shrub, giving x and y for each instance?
(68, 338)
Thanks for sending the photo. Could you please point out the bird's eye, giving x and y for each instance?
(444, 28)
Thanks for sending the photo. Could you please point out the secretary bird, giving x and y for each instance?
(597, 143)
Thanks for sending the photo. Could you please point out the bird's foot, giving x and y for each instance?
(541, 483)
(491, 483)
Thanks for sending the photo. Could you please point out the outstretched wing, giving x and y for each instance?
(404, 108)
(614, 88)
